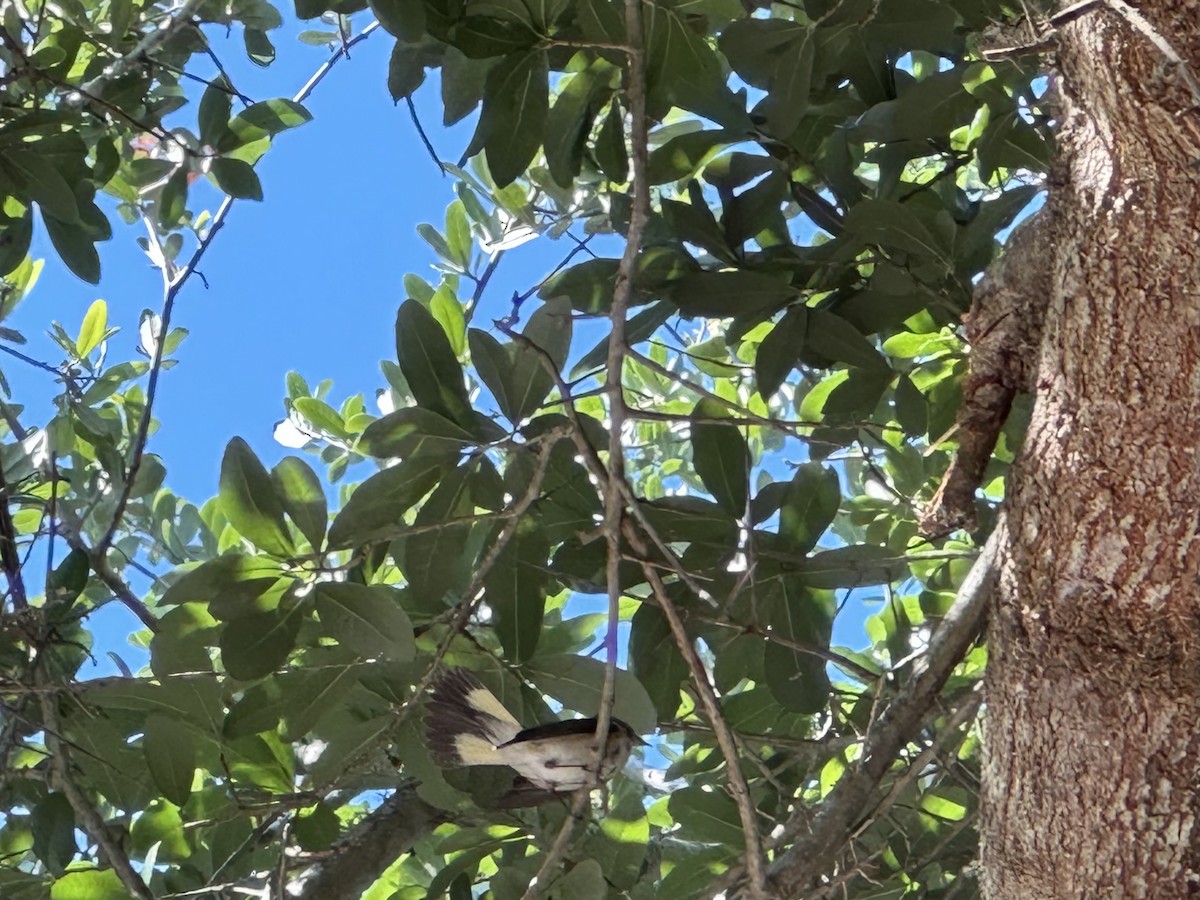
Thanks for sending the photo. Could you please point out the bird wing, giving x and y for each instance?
(466, 722)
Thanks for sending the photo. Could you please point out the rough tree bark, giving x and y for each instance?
(1092, 768)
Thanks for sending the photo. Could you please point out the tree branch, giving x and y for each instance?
(173, 281)
(87, 815)
(815, 850)
(372, 845)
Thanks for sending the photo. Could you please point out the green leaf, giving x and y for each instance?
(248, 498)
(796, 679)
(170, 756)
(236, 178)
(89, 884)
(215, 109)
(367, 619)
(639, 328)
(893, 226)
(74, 245)
(585, 881)
(429, 365)
(683, 156)
(411, 431)
(377, 506)
(256, 645)
(515, 102)
(732, 293)
(265, 119)
(810, 501)
(853, 566)
(569, 122)
(912, 412)
(1012, 143)
(656, 661)
(303, 499)
(706, 816)
(576, 682)
(404, 19)
(831, 336)
(53, 825)
(588, 286)
(787, 99)
(233, 574)
(529, 382)
(516, 591)
(298, 699)
(780, 350)
(321, 416)
(44, 184)
(436, 559)
(91, 332)
(611, 154)
(721, 458)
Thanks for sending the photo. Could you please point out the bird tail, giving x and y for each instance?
(466, 722)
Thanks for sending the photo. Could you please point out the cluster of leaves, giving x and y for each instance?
(829, 180)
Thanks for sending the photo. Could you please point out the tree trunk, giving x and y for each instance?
(1092, 768)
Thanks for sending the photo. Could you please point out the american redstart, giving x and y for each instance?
(469, 726)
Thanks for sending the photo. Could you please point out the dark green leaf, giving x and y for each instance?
(796, 678)
(377, 506)
(215, 110)
(256, 645)
(429, 365)
(788, 97)
(831, 336)
(74, 245)
(299, 489)
(639, 328)
(44, 184)
(529, 383)
(236, 178)
(656, 661)
(515, 102)
(170, 756)
(706, 816)
(809, 504)
(408, 432)
(570, 120)
(683, 156)
(853, 566)
(516, 591)
(588, 285)
(53, 825)
(576, 682)
(731, 293)
(721, 458)
(248, 498)
(611, 153)
(911, 410)
(366, 618)
(436, 559)
(405, 19)
(780, 350)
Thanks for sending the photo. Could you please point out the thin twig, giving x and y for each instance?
(9, 558)
(87, 816)
(174, 279)
(144, 48)
(412, 114)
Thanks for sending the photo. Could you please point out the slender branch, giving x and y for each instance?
(9, 558)
(755, 862)
(173, 281)
(815, 849)
(412, 114)
(372, 846)
(147, 45)
(614, 503)
(86, 814)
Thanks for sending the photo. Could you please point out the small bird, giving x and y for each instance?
(468, 726)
